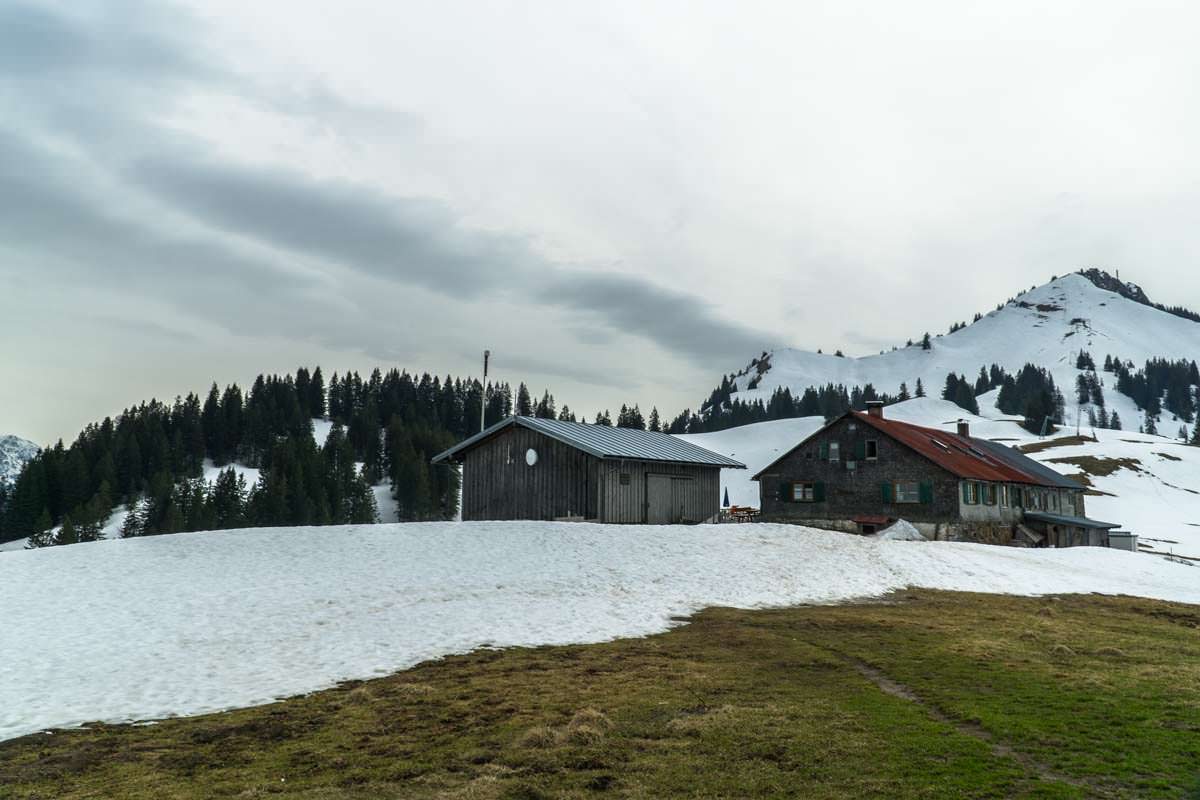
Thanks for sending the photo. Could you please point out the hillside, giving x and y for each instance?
(14, 453)
(1147, 484)
(283, 611)
(1046, 326)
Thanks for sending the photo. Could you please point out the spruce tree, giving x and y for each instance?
(1150, 426)
(920, 390)
(1114, 422)
(524, 404)
(655, 424)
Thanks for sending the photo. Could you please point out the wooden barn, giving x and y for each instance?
(546, 469)
(861, 472)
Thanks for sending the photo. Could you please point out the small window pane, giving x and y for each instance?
(908, 492)
(834, 451)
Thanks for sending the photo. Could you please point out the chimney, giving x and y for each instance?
(964, 428)
(875, 408)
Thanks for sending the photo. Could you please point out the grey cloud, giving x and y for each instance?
(421, 242)
(126, 38)
(676, 321)
(410, 240)
(44, 208)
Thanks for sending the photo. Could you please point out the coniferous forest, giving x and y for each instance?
(152, 457)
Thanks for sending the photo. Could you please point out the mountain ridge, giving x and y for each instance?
(14, 453)
(1047, 326)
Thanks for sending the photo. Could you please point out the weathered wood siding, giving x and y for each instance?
(699, 496)
(849, 493)
(499, 484)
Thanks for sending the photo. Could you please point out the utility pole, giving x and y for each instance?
(483, 390)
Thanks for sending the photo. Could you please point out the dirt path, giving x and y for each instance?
(999, 749)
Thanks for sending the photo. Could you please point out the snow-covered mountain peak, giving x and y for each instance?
(14, 452)
(1046, 326)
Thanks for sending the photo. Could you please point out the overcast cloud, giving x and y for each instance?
(622, 202)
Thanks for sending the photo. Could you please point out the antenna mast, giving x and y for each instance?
(483, 390)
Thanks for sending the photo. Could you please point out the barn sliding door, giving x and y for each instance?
(666, 498)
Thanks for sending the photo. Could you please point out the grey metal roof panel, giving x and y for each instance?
(1063, 519)
(1019, 461)
(606, 442)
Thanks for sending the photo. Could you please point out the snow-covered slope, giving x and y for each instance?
(14, 452)
(1046, 326)
(755, 446)
(1147, 484)
(282, 611)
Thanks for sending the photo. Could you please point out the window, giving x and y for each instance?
(835, 452)
(1003, 491)
(872, 449)
(970, 493)
(803, 492)
(908, 492)
(988, 490)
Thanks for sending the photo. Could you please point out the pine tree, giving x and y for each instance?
(524, 404)
(950, 389)
(1114, 422)
(655, 424)
(1196, 433)
(42, 535)
(316, 395)
(926, 344)
(920, 390)
(1150, 426)
(903, 393)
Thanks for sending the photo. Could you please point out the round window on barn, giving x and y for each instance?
(531, 456)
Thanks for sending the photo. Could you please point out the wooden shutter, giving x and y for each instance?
(860, 450)
(885, 490)
(965, 493)
(785, 492)
(926, 492)
(818, 492)
(823, 450)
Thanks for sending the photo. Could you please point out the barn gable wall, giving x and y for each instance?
(498, 484)
(850, 493)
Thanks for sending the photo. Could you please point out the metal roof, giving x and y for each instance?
(1019, 460)
(605, 442)
(1063, 519)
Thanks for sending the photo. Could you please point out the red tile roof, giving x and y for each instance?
(958, 455)
(953, 453)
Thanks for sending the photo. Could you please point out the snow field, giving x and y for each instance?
(217, 620)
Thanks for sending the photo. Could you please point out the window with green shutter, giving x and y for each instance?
(966, 493)
(886, 490)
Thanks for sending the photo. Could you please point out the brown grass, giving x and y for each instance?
(1062, 441)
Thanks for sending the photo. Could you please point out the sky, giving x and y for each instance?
(622, 201)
